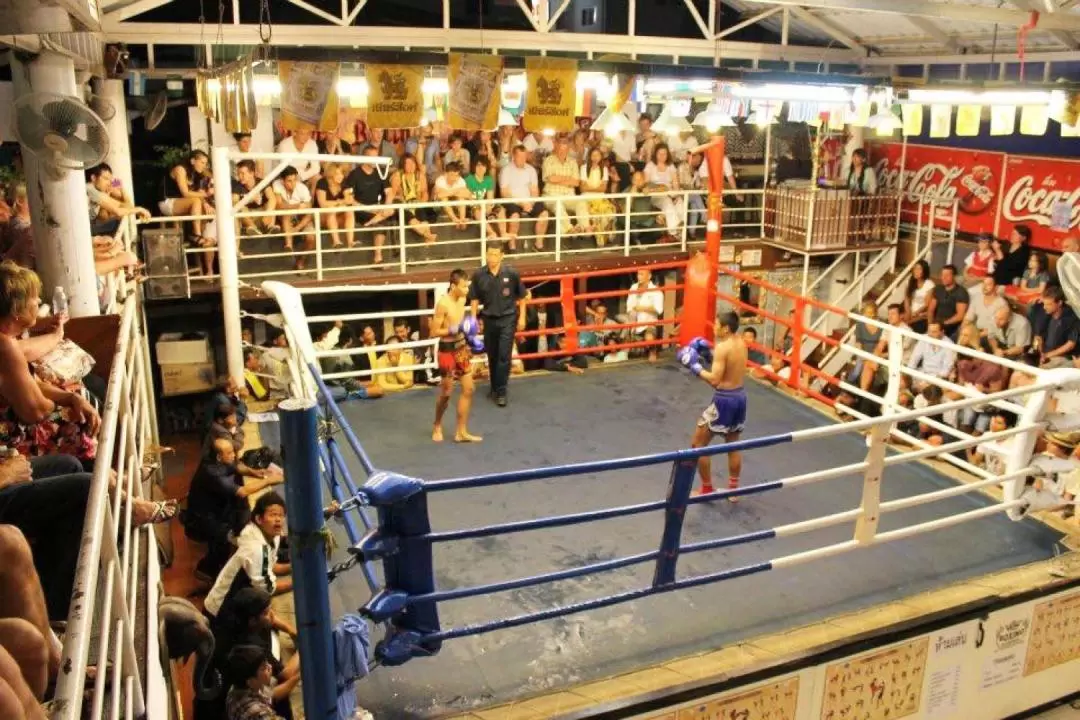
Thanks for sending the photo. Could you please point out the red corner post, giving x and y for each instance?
(569, 311)
(702, 270)
(795, 360)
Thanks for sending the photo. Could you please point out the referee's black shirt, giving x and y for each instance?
(499, 293)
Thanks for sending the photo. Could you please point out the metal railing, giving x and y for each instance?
(825, 219)
(622, 224)
(117, 575)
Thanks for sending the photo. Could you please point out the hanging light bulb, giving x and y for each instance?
(611, 123)
(712, 119)
(885, 121)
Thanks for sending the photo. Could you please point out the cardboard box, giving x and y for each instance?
(172, 350)
(187, 379)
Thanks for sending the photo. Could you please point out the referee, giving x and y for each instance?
(499, 289)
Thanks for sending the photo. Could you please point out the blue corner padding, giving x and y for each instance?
(386, 488)
(399, 647)
(375, 545)
(385, 605)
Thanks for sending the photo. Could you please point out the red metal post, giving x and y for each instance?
(702, 271)
(569, 309)
(796, 343)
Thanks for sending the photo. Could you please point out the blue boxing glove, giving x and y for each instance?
(703, 348)
(690, 359)
(470, 326)
(476, 343)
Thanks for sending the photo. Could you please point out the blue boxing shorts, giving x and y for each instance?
(726, 413)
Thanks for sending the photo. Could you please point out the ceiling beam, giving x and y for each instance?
(752, 20)
(530, 15)
(1067, 41)
(1055, 56)
(702, 25)
(833, 31)
(557, 14)
(133, 9)
(934, 32)
(587, 44)
(942, 10)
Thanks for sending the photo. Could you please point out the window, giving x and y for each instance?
(588, 16)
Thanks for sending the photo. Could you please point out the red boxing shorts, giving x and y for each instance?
(726, 413)
(456, 363)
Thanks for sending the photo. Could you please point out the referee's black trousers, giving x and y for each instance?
(499, 345)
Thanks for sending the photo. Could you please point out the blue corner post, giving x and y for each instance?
(679, 487)
(311, 588)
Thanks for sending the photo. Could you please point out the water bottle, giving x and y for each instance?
(60, 303)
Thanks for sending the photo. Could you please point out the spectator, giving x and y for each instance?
(390, 378)
(228, 392)
(252, 380)
(861, 178)
(980, 262)
(1057, 335)
(252, 694)
(867, 338)
(538, 146)
(380, 146)
(978, 374)
(449, 187)
(183, 196)
(331, 144)
(350, 387)
(481, 186)
(927, 398)
(1069, 246)
(753, 355)
(985, 305)
(291, 194)
(920, 289)
(369, 192)
(218, 505)
(29, 650)
(105, 210)
(643, 217)
(662, 179)
(518, 181)
(873, 373)
(992, 454)
(331, 192)
(949, 302)
(226, 426)
(483, 145)
(1035, 278)
(611, 353)
(264, 200)
(1011, 334)
(243, 144)
(645, 304)
(457, 154)
(19, 235)
(690, 179)
(301, 143)
(595, 214)
(933, 358)
(1010, 262)
(561, 180)
(255, 563)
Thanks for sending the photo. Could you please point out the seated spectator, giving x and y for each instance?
(456, 154)
(183, 196)
(612, 354)
(243, 144)
(927, 398)
(369, 192)
(1010, 261)
(301, 143)
(331, 192)
(252, 377)
(274, 362)
(1057, 332)
(596, 215)
(388, 377)
(291, 194)
(977, 374)
(39, 418)
(979, 263)
(19, 235)
(414, 189)
(345, 388)
(992, 454)
(1011, 334)
(481, 185)
(106, 211)
(644, 219)
(867, 338)
(562, 176)
(380, 146)
(228, 392)
(873, 373)
(937, 359)
(753, 355)
(331, 144)
(255, 563)
(949, 302)
(226, 426)
(920, 288)
(450, 187)
(662, 180)
(519, 182)
(985, 304)
(538, 145)
(645, 304)
(265, 200)
(253, 690)
(1035, 278)
(218, 505)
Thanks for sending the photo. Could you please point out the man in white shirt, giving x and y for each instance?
(645, 304)
(985, 305)
(992, 454)
(451, 186)
(294, 195)
(302, 143)
(538, 145)
(935, 359)
(255, 562)
(561, 179)
(729, 176)
(519, 181)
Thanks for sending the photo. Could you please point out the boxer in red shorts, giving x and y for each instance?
(457, 334)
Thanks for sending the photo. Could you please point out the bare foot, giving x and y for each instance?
(466, 437)
(436, 434)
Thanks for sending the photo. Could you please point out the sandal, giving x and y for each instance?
(164, 511)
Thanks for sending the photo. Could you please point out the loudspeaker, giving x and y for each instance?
(166, 264)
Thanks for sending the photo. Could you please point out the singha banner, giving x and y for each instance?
(395, 95)
(552, 94)
(475, 91)
(309, 98)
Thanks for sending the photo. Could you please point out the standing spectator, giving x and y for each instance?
(561, 180)
(499, 289)
(985, 304)
(949, 302)
(301, 142)
(18, 234)
(1010, 335)
(980, 262)
(369, 192)
(1010, 262)
(1057, 335)
(920, 288)
(518, 181)
(861, 178)
(645, 304)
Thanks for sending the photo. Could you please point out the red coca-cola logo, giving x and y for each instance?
(943, 183)
(979, 196)
(1026, 201)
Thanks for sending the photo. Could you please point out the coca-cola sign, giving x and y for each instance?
(1034, 190)
(938, 175)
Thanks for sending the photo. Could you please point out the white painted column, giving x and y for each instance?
(856, 140)
(227, 263)
(119, 158)
(59, 209)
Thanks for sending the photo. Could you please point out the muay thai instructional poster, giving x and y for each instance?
(885, 684)
(475, 91)
(309, 98)
(552, 95)
(395, 95)
(1055, 634)
(776, 701)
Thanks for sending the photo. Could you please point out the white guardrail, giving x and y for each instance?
(118, 574)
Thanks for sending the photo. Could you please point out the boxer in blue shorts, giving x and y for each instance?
(726, 414)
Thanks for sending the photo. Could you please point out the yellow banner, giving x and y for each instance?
(395, 95)
(968, 120)
(913, 115)
(622, 95)
(940, 121)
(309, 98)
(1002, 119)
(1034, 119)
(549, 104)
(475, 91)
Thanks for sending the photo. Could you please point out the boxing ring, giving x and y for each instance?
(494, 571)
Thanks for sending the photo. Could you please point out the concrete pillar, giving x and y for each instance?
(119, 157)
(856, 140)
(59, 209)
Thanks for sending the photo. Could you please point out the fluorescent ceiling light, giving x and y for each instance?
(712, 119)
(806, 93)
(981, 97)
